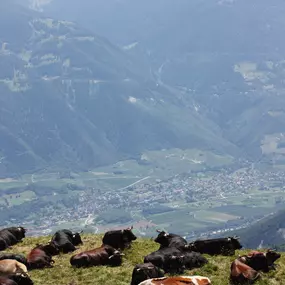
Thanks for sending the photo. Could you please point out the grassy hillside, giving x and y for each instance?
(62, 273)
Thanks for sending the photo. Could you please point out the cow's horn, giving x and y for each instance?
(81, 232)
(159, 231)
(122, 254)
(111, 256)
(236, 237)
(139, 269)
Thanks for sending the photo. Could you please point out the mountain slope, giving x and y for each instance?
(217, 270)
(226, 55)
(71, 99)
(267, 232)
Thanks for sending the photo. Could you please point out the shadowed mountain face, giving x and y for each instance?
(267, 232)
(226, 54)
(71, 99)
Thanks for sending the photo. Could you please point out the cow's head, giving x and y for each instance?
(76, 239)
(128, 234)
(162, 238)
(50, 248)
(116, 258)
(272, 256)
(145, 271)
(21, 278)
(235, 242)
(176, 263)
(22, 231)
(190, 246)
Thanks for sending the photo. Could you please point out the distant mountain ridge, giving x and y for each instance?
(71, 99)
(225, 55)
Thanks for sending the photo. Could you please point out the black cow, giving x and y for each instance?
(193, 260)
(171, 240)
(16, 279)
(19, 257)
(224, 246)
(8, 238)
(169, 259)
(260, 260)
(119, 239)
(3, 243)
(104, 255)
(18, 232)
(145, 271)
(66, 241)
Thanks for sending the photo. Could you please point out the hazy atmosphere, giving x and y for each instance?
(159, 114)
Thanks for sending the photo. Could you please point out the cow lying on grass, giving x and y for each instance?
(179, 280)
(104, 255)
(223, 246)
(11, 266)
(144, 271)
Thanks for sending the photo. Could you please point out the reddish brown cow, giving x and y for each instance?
(179, 280)
(260, 260)
(41, 256)
(104, 255)
(241, 273)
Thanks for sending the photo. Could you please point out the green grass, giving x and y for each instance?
(62, 273)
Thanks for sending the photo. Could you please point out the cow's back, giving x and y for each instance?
(113, 238)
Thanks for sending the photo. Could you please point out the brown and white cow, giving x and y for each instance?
(11, 266)
(178, 280)
(241, 273)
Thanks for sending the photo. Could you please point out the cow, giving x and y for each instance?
(224, 246)
(18, 232)
(104, 255)
(12, 266)
(66, 241)
(119, 239)
(3, 243)
(41, 256)
(193, 260)
(8, 237)
(260, 260)
(178, 280)
(145, 271)
(169, 259)
(16, 279)
(241, 273)
(19, 257)
(171, 240)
